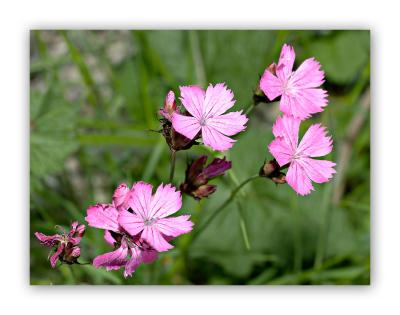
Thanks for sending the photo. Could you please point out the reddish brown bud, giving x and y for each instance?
(272, 170)
(197, 176)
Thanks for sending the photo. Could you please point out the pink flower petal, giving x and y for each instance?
(186, 125)
(286, 61)
(301, 103)
(228, 124)
(109, 238)
(121, 197)
(287, 127)
(192, 98)
(315, 142)
(308, 75)
(140, 200)
(54, 258)
(217, 101)
(103, 216)
(281, 151)
(48, 241)
(166, 201)
(155, 239)
(319, 171)
(216, 140)
(297, 179)
(149, 255)
(174, 226)
(112, 260)
(271, 85)
(133, 263)
(132, 223)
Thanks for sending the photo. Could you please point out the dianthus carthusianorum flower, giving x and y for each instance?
(207, 118)
(129, 251)
(300, 95)
(303, 168)
(149, 215)
(65, 244)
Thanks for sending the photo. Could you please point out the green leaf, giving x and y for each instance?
(343, 56)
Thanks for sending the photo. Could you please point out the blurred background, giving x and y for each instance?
(94, 98)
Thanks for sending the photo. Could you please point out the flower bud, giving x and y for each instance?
(272, 170)
(169, 106)
(197, 176)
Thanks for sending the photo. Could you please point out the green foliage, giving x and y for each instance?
(94, 102)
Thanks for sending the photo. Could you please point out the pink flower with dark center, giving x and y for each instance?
(207, 110)
(65, 244)
(299, 156)
(300, 95)
(149, 218)
(129, 252)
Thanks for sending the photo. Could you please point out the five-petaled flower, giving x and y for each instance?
(198, 175)
(149, 215)
(65, 244)
(207, 110)
(300, 95)
(299, 156)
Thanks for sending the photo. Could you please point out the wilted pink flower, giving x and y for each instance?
(149, 216)
(129, 251)
(65, 244)
(299, 156)
(169, 106)
(301, 96)
(198, 175)
(207, 109)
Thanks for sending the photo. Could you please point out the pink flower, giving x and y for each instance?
(207, 108)
(129, 251)
(65, 244)
(299, 156)
(299, 89)
(149, 216)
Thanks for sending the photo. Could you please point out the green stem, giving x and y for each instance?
(243, 228)
(227, 202)
(172, 169)
(249, 109)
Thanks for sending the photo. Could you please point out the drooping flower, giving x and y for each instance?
(207, 118)
(129, 252)
(66, 245)
(299, 156)
(197, 176)
(149, 218)
(300, 95)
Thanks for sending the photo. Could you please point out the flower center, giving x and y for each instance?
(203, 121)
(150, 221)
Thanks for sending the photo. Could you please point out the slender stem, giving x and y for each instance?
(172, 169)
(227, 202)
(243, 226)
(249, 109)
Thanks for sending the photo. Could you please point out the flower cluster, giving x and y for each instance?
(66, 245)
(138, 225)
(300, 97)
